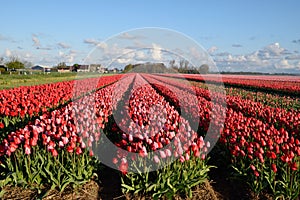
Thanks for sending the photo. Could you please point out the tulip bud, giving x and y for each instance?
(156, 159)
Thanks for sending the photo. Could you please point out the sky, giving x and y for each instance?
(256, 35)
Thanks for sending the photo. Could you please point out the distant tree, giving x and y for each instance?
(61, 65)
(28, 64)
(54, 69)
(204, 69)
(172, 64)
(75, 67)
(186, 64)
(14, 63)
(128, 68)
(181, 64)
(184, 67)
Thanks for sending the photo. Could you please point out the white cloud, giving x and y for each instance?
(297, 65)
(102, 45)
(36, 41)
(8, 53)
(97, 43)
(128, 36)
(293, 57)
(140, 55)
(63, 45)
(92, 41)
(269, 58)
(283, 64)
(68, 57)
(124, 60)
(274, 49)
(156, 52)
(212, 49)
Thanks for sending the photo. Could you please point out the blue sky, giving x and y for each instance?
(239, 35)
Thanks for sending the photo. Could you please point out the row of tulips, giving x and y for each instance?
(61, 139)
(28, 101)
(280, 118)
(201, 113)
(66, 126)
(293, 132)
(267, 99)
(270, 155)
(154, 139)
(150, 123)
(263, 83)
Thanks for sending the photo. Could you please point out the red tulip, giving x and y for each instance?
(274, 168)
(293, 166)
(54, 152)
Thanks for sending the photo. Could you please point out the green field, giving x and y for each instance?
(11, 81)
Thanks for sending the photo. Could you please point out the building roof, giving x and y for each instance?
(41, 66)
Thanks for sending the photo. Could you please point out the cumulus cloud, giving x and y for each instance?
(156, 51)
(124, 60)
(63, 45)
(212, 49)
(221, 54)
(293, 57)
(140, 55)
(92, 41)
(128, 36)
(37, 43)
(269, 58)
(96, 43)
(68, 57)
(283, 64)
(275, 49)
(8, 53)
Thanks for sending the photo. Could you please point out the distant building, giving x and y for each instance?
(114, 70)
(64, 69)
(79, 68)
(103, 70)
(41, 68)
(83, 68)
(98, 68)
(95, 67)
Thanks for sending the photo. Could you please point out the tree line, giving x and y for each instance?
(184, 68)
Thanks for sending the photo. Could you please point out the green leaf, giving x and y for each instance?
(127, 187)
(6, 121)
(65, 184)
(171, 186)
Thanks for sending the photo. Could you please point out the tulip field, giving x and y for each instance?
(163, 133)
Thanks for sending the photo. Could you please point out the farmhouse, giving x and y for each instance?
(41, 68)
(64, 69)
(98, 68)
(83, 68)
